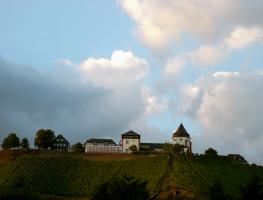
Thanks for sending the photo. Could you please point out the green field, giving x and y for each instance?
(69, 176)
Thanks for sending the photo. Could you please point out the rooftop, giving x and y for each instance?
(181, 132)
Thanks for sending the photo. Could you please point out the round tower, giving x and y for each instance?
(182, 137)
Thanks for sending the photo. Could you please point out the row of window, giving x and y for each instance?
(61, 145)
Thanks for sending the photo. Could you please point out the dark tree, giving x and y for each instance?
(78, 147)
(44, 138)
(173, 148)
(211, 152)
(253, 189)
(120, 188)
(217, 192)
(178, 148)
(133, 148)
(24, 143)
(11, 141)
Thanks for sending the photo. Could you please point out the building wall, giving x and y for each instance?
(183, 141)
(102, 149)
(127, 143)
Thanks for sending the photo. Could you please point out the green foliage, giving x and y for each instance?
(11, 141)
(253, 189)
(133, 148)
(24, 143)
(217, 191)
(211, 153)
(173, 148)
(78, 147)
(14, 193)
(119, 188)
(44, 138)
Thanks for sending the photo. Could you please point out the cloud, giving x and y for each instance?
(121, 69)
(174, 66)
(153, 104)
(208, 55)
(79, 101)
(160, 23)
(241, 37)
(228, 106)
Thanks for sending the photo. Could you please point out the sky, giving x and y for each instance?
(96, 69)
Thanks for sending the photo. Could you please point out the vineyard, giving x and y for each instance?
(69, 175)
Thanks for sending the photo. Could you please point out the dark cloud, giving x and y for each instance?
(63, 100)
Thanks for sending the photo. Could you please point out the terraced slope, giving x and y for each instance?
(75, 176)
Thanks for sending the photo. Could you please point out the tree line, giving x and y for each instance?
(43, 140)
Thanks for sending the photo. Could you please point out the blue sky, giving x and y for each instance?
(109, 66)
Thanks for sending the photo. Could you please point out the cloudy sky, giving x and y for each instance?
(97, 69)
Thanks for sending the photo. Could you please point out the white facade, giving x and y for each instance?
(185, 141)
(181, 140)
(128, 142)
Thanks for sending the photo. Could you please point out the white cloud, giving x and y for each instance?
(241, 37)
(174, 66)
(121, 69)
(206, 56)
(159, 23)
(228, 105)
(153, 104)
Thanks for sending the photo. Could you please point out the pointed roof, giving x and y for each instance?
(181, 132)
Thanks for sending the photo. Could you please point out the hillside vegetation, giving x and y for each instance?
(65, 175)
(71, 175)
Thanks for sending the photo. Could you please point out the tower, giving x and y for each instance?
(182, 137)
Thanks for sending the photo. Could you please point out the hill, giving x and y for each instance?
(65, 175)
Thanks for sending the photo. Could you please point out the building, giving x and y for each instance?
(182, 137)
(60, 143)
(130, 139)
(158, 147)
(95, 145)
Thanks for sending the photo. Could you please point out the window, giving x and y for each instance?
(127, 141)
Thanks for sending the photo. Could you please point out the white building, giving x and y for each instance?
(102, 146)
(183, 138)
(130, 139)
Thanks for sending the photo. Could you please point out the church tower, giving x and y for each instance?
(183, 138)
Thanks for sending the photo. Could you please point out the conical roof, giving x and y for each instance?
(181, 132)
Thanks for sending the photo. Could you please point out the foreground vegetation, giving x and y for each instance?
(166, 176)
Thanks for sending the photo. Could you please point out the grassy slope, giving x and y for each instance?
(77, 176)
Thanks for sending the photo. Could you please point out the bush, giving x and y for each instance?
(120, 188)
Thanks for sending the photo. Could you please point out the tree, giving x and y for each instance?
(44, 138)
(120, 188)
(133, 148)
(253, 189)
(173, 148)
(78, 147)
(24, 143)
(211, 152)
(217, 192)
(11, 141)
